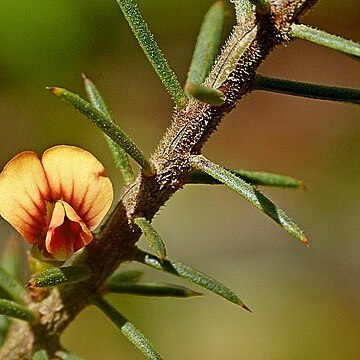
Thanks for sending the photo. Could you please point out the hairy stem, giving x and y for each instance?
(190, 129)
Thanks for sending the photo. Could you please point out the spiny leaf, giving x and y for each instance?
(125, 276)
(208, 43)
(323, 38)
(14, 310)
(190, 274)
(152, 236)
(205, 94)
(118, 153)
(106, 125)
(60, 276)
(252, 177)
(127, 329)
(150, 289)
(249, 193)
(308, 90)
(11, 287)
(152, 51)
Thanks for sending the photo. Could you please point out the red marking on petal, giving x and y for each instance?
(24, 191)
(67, 232)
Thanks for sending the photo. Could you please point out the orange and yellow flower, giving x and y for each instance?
(57, 201)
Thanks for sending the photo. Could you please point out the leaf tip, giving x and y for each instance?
(55, 90)
(245, 307)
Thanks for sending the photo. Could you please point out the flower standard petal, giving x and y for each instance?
(78, 178)
(24, 191)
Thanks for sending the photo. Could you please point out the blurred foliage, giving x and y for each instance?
(305, 301)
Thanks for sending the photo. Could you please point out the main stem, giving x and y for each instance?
(190, 129)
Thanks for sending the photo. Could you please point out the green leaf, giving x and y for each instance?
(60, 276)
(249, 193)
(205, 94)
(150, 289)
(125, 276)
(252, 177)
(4, 328)
(308, 90)
(40, 355)
(152, 236)
(11, 287)
(106, 125)
(208, 43)
(14, 310)
(152, 51)
(11, 258)
(118, 153)
(127, 329)
(190, 274)
(325, 39)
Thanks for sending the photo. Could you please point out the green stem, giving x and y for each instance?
(323, 38)
(308, 90)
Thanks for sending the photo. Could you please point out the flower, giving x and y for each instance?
(57, 201)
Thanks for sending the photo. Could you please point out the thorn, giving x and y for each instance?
(246, 308)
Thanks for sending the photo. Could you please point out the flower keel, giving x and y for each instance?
(67, 232)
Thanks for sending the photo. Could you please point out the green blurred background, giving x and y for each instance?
(305, 302)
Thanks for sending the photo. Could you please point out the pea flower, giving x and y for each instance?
(57, 201)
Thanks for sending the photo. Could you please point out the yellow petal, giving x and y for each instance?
(23, 194)
(77, 177)
(67, 233)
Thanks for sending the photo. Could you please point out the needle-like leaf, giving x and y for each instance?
(11, 287)
(308, 90)
(14, 310)
(152, 236)
(4, 328)
(325, 39)
(106, 125)
(252, 177)
(127, 329)
(208, 43)
(119, 155)
(152, 51)
(60, 276)
(249, 193)
(150, 289)
(190, 274)
(125, 276)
